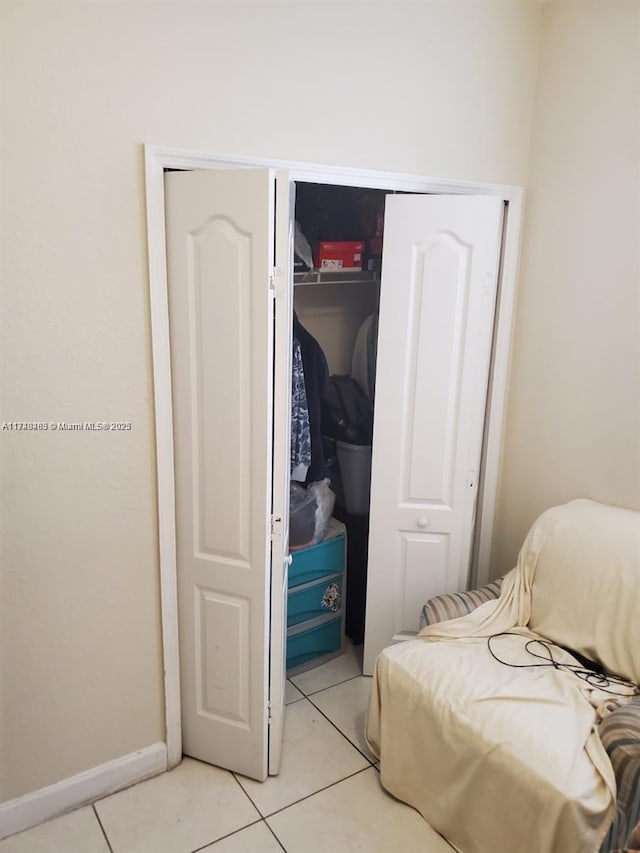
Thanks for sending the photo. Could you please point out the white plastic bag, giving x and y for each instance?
(325, 500)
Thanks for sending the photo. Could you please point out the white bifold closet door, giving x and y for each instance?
(437, 305)
(230, 326)
(220, 229)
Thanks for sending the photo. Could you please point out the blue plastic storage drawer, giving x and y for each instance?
(323, 638)
(318, 598)
(325, 558)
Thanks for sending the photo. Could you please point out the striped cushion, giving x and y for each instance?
(633, 844)
(444, 607)
(620, 735)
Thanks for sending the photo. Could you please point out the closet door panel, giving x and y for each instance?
(219, 264)
(219, 227)
(437, 303)
(423, 559)
(440, 294)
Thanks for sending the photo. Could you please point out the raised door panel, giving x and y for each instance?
(219, 268)
(219, 261)
(438, 289)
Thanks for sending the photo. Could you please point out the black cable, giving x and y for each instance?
(593, 675)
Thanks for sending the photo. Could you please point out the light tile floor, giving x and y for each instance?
(327, 797)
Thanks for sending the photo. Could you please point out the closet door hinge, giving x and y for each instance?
(269, 714)
(276, 526)
(277, 282)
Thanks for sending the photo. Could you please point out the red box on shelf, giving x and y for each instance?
(340, 255)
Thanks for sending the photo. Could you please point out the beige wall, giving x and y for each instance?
(574, 408)
(437, 88)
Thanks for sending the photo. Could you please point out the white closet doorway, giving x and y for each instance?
(428, 284)
(441, 259)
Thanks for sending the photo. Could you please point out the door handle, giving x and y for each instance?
(423, 522)
(288, 559)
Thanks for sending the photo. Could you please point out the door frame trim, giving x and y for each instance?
(157, 158)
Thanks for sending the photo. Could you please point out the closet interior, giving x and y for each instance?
(337, 266)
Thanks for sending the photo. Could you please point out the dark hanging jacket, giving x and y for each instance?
(316, 378)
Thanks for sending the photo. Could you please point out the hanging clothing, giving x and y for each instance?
(316, 378)
(300, 425)
(365, 350)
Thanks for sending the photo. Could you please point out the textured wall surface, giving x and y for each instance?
(435, 88)
(573, 427)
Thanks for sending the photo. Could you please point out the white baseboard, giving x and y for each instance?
(32, 809)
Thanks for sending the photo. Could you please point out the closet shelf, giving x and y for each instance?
(338, 277)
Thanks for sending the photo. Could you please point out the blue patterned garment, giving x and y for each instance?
(300, 427)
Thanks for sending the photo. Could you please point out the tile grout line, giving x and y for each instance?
(319, 791)
(344, 681)
(247, 795)
(275, 836)
(228, 835)
(345, 654)
(328, 686)
(335, 726)
(106, 837)
(298, 698)
(304, 695)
